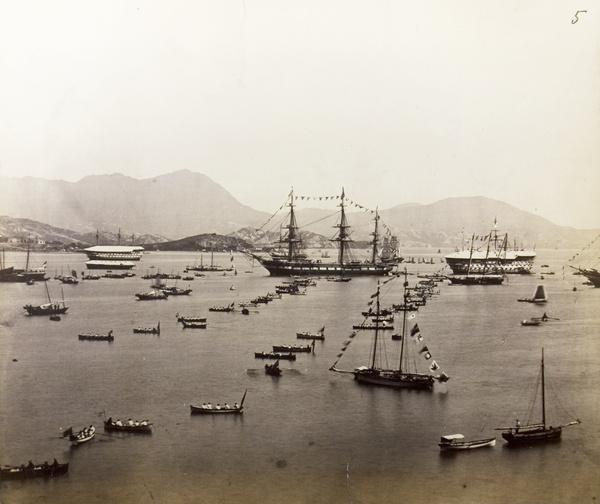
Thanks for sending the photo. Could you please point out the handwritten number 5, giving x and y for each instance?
(573, 21)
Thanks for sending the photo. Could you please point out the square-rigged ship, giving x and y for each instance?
(291, 261)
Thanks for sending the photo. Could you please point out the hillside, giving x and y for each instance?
(175, 205)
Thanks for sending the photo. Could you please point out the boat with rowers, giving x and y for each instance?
(32, 470)
(97, 337)
(319, 335)
(228, 308)
(275, 355)
(294, 348)
(147, 330)
(226, 409)
(83, 436)
(143, 427)
(273, 369)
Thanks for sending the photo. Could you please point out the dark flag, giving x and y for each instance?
(414, 330)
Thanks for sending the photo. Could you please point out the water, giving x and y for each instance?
(311, 435)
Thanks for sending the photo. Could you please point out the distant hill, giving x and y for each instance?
(209, 242)
(176, 205)
(184, 205)
(17, 233)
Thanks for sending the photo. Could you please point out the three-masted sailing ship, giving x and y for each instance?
(292, 261)
(400, 377)
(529, 433)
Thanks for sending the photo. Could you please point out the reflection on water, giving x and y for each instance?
(309, 435)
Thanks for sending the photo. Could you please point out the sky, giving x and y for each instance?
(398, 101)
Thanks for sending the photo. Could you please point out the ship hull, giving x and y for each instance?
(520, 263)
(592, 275)
(394, 379)
(514, 438)
(285, 268)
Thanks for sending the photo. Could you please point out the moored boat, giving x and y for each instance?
(406, 375)
(319, 335)
(457, 442)
(153, 294)
(49, 308)
(294, 348)
(535, 433)
(228, 308)
(192, 324)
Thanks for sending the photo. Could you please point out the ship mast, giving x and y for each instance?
(377, 315)
(375, 237)
(543, 394)
(403, 333)
(293, 237)
(343, 234)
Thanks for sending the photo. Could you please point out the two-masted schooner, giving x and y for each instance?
(292, 261)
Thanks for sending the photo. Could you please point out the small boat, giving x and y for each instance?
(190, 319)
(531, 322)
(143, 427)
(228, 308)
(294, 348)
(55, 318)
(525, 435)
(374, 326)
(275, 355)
(320, 335)
(147, 330)
(539, 296)
(153, 294)
(208, 409)
(97, 337)
(245, 311)
(175, 291)
(32, 470)
(338, 279)
(83, 436)
(457, 442)
(273, 369)
(191, 324)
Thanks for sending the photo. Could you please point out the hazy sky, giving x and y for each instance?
(399, 101)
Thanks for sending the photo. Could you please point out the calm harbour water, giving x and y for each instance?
(310, 435)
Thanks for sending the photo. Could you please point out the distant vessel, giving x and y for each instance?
(492, 257)
(109, 265)
(292, 261)
(521, 435)
(114, 253)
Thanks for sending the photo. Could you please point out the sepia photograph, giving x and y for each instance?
(338, 252)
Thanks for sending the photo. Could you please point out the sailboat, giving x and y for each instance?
(48, 308)
(27, 275)
(539, 296)
(535, 432)
(294, 262)
(400, 377)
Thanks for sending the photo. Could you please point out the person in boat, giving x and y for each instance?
(226, 406)
(518, 426)
(30, 465)
(204, 406)
(55, 463)
(109, 420)
(218, 406)
(144, 422)
(118, 422)
(209, 406)
(236, 406)
(46, 465)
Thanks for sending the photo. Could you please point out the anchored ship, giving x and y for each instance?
(493, 256)
(292, 261)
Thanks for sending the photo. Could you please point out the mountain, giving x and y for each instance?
(176, 205)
